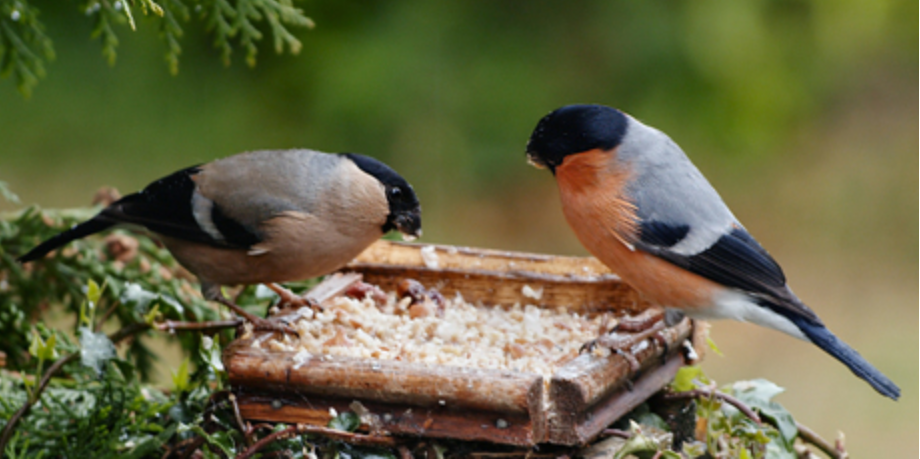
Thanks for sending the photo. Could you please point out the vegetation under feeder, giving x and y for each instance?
(83, 389)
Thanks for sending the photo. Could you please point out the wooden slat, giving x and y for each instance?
(494, 277)
(387, 381)
(432, 421)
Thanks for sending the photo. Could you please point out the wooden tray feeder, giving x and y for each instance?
(572, 407)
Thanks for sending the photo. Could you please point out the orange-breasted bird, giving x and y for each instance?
(640, 206)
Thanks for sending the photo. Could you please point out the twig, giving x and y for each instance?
(105, 316)
(239, 419)
(810, 436)
(194, 446)
(300, 429)
(700, 393)
(119, 335)
(172, 325)
(180, 446)
(616, 433)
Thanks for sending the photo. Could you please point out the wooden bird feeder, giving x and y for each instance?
(571, 407)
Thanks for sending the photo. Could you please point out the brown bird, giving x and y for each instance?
(264, 217)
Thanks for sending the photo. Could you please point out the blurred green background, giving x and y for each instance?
(800, 112)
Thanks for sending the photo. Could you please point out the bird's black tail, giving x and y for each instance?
(91, 226)
(834, 346)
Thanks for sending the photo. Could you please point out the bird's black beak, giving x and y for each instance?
(409, 223)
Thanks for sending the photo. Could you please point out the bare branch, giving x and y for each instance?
(299, 429)
(707, 393)
(810, 436)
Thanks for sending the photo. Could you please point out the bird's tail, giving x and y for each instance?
(823, 338)
(91, 226)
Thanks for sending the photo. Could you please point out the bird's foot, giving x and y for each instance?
(258, 323)
(628, 333)
(292, 300)
(265, 325)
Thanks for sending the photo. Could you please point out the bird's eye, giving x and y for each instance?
(395, 193)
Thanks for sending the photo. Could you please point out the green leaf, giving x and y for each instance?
(37, 345)
(93, 293)
(712, 345)
(180, 377)
(640, 442)
(220, 439)
(7, 194)
(347, 421)
(210, 353)
(685, 378)
(758, 394)
(151, 316)
(41, 349)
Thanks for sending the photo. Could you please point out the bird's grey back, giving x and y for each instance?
(666, 187)
(255, 186)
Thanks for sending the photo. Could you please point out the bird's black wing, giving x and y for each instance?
(166, 207)
(735, 260)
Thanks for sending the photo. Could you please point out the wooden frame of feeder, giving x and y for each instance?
(572, 407)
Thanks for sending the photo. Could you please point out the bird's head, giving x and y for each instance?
(405, 212)
(574, 129)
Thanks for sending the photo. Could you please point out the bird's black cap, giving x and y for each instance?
(405, 211)
(575, 129)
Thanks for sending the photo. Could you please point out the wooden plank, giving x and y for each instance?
(432, 421)
(385, 381)
(492, 277)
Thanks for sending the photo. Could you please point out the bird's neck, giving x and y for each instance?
(587, 172)
(592, 187)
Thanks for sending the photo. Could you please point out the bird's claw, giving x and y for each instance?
(273, 326)
(588, 347)
(636, 331)
(290, 300)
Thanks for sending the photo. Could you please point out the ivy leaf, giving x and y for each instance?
(220, 439)
(347, 421)
(646, 442)
(758, 394)
(686, 378)
(210, 354)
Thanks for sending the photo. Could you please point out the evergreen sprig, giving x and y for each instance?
(25, 48)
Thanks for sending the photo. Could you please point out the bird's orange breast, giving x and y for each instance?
(592, 186)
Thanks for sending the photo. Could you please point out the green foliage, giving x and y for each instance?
(134, 286)
(347, 421)
(85, 416)
(728, 432)
(24, 46)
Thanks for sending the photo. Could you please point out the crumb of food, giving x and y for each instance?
(429, 256)
(415, 328)
(530, 292)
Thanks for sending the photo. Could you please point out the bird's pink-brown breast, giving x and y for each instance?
(592, 187)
